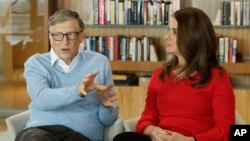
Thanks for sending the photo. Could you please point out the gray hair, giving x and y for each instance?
(64, 15)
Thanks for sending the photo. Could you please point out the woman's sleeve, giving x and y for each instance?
(223, 104)
(150, 115)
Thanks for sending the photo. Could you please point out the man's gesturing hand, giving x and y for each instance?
(106, 95)
(87, 84)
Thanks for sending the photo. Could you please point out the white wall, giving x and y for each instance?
(208, 6)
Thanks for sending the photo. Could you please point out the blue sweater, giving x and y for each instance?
(54, 94)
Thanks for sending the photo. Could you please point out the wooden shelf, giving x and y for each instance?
(237, 68)
(147, 66)
(124, 26)
(129, 66)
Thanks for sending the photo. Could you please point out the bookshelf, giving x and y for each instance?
(127, 94)
(241, 33)
(156, 33)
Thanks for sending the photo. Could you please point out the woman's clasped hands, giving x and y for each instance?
(158, 134)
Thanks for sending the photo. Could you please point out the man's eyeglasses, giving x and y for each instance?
(58, 36)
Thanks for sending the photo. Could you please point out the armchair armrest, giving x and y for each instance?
(116, 128)
(239, 119)
(130, 124)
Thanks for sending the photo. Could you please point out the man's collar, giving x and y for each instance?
(54, 56)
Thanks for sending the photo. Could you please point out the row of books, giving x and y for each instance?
(136, 12)
(235, 12)
(127, 48)
(122, 48)
(227, 52)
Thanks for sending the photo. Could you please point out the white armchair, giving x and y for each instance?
(17, 122)
(130, 124)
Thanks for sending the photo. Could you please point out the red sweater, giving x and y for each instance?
(205, 113)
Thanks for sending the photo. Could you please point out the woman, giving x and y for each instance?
(190, 98)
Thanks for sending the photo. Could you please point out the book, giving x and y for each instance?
(95, 11)
(221, 49)
(112, 12)
(153, 54)
(101, 12)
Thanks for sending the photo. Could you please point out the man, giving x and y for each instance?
(70, 89)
